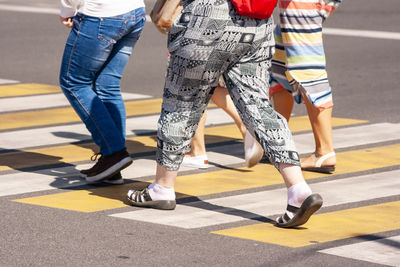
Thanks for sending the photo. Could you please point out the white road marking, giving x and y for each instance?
(344, 137)
(40, 10)
(13, 104)
(4, 81)
(384, 251)
(330, 31)
(362, 33)
(54, 135)
(21, 182)
(267, 203)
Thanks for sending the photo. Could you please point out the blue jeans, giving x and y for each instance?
(95, 56)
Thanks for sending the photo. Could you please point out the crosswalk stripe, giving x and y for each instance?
(55, 135)
(385, 251)
(267, 203)
(5, 81)
(142, 125)
(17, 104)
(25, 89)
(218, 181)
(324, 227)
(142, 144)
(54, 116)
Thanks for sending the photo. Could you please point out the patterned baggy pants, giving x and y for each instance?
(210, 39)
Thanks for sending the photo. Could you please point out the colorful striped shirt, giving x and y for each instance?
(299, 64)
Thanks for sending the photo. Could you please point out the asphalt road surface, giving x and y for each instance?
(50, 217)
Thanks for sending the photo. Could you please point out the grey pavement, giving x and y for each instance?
(363, 73)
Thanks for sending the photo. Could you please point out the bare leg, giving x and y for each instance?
(321, 123)
(291, 174)
(283, 103)
(222, 99)
(165, 177)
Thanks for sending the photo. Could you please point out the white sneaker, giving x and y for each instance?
(253, 152)
(200, 162)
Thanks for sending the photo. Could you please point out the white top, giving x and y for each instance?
(98, 8)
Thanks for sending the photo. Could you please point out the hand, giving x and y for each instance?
(68, 22)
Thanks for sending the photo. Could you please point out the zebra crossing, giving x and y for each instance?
(361, 199)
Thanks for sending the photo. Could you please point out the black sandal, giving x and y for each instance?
(301, 215)
(143, 199)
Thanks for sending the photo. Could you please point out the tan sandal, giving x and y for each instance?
(318, 164)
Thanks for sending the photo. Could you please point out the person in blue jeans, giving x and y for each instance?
(103, 34)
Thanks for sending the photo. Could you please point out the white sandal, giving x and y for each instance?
(318, 164)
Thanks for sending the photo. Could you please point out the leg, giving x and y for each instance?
(222, 99)
(283, 103)
(322, 129)
(84, 56)
(253, 151)
(108, 80)
(197, 156)
(271, 130)
(306, 73)
(90, 75)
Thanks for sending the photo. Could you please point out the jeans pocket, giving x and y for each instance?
(109, 29)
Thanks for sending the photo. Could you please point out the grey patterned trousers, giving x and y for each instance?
(210, 39)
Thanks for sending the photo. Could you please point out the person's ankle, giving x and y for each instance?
(160, 192)
(297, 193)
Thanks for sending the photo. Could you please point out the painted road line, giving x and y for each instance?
(267, 203)
(15, 104)
(362, 33)
(63, 115)
(329, 31)
(24, 89)
(352, 136)
(20, 182)
(39, 10)
(54, 116)
(225, 180)
(385, 251)
(145, 144)
(325, 227)
(4, 81)
(54, 135)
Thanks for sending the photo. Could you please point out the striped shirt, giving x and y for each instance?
(299, 63)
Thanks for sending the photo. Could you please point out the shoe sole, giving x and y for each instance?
(108, 181)
(322, 169)
(155, 204)
(309, 206)
(194, 166)
(122, 164)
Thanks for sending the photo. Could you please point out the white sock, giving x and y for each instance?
(297, 193)
(159, 192)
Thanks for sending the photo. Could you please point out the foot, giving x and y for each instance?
(107, 166)
(200, 162)
(295, 216)
(253, 152)
(143, 199)
(323, 164)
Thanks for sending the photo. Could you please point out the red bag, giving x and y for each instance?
(259, 9)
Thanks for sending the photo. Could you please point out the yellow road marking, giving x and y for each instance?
(24, 119)
(76, 153)
(215, 182)
(25, 89)
(296, 124)
(325, 227)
